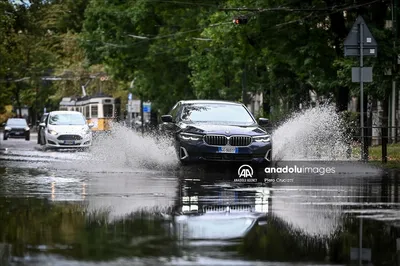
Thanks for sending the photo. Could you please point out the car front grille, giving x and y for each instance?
(69, 137)
(216, 140)
(68, 144)
(238, 141)
(224, 208)
(17, 130)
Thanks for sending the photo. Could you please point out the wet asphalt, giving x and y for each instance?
(80, 208)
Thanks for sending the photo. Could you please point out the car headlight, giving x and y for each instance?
(263, 138)
(27, 128)
(87, 131)
(7, 128)
(52, 132)
(189, 136)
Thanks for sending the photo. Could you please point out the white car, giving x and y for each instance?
(66, 129)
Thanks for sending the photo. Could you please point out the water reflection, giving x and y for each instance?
(34, 226)
(210, 218)
(209, 211)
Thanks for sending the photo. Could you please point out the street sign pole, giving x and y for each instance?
(360, 236)
(360, 42)
(361, 25)
(130, 110)
(141, 114)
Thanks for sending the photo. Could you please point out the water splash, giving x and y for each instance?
(316, 133)
(125, 148)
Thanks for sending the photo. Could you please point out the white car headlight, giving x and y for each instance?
(52, 132)
(7, 128)
(189, 136)
(263, 138)
(27, 128)
(87, 131)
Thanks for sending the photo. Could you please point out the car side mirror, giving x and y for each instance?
(42, 124)
(166, 118)
(91, 125)
(263, 121)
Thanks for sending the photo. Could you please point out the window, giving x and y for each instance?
(220, 113)
(174, 111)
(108, 110)
(67, 119)
(94, 110)
(43, 119)
(17, 122)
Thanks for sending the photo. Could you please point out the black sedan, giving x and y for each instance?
(221, 131)
(16, 128)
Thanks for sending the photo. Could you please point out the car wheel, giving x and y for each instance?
(28, 137)
(5, 136)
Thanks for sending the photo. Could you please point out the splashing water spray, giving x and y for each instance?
(313, 134)
(124, 148)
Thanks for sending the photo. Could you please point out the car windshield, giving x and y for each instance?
(16, 122)
(217, 113)
(67, 119)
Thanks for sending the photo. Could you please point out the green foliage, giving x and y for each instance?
(181, 50)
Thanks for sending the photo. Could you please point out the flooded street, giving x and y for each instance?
(112, 206)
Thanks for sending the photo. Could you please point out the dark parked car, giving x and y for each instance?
(205, 131)
(16, 128)
(43, 119)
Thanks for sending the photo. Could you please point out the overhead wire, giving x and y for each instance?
(334, 9)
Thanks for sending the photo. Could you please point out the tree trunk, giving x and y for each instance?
(342, 98)
(339, 33)
(18, 100)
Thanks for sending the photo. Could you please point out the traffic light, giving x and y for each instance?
(240, 20)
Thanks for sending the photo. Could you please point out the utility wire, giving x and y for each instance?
(331, 10)
(334, 8)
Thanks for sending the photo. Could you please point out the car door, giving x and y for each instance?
(40, 134)
(42, 129)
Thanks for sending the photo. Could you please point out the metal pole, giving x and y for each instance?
(393, 102)
(244, 85)
(130, 114)
(393, 112)
(141, 114)
(362, 92)
(360, 250)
